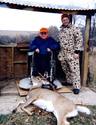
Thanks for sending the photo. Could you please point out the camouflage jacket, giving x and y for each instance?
(70, 39)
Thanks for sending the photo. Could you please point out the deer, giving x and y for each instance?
(52, 101)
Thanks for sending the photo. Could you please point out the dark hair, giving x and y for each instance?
(66, 15)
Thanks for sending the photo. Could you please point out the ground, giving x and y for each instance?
(44, 118)
(10, 99)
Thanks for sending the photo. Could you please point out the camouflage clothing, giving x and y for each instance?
(70, 39)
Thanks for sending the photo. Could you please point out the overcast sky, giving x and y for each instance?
(13, 19)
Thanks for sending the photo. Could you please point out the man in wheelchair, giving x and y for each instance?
(45, 48)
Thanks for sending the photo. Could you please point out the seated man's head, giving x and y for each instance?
(43, 33)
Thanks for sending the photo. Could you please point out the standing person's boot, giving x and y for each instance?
(76, 88)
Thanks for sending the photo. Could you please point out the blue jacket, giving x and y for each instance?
(43, 44)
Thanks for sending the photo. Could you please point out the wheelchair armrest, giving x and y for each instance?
(30, 53)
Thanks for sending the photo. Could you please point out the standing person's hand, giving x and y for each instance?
(48, 49)
(37, 50)
(76, 56)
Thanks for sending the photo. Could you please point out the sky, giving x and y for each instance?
(22, 20)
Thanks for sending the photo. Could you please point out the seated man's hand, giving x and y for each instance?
(48, 49)
(37, 50)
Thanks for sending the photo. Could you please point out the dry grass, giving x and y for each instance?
(43, 118)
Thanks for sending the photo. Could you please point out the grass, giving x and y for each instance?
(44, 118)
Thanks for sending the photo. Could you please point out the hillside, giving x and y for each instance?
(7, 37)
(15, 33)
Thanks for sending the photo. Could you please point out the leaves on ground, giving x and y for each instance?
(41, 117)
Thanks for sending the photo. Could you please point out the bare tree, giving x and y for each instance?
(53, 32)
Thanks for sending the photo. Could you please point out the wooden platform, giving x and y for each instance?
(23, 92)
(64, 89)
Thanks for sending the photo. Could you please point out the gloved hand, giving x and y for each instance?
(48, 49)
(37, 50)
(76, 56)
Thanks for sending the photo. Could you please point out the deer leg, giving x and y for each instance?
(27, 111)
(28, 102)
(59, 116)
(65, 122)
(62, 121)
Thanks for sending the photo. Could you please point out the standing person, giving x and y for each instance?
(70, 39)
(43, 45)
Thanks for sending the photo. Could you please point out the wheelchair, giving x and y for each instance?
(50, 77)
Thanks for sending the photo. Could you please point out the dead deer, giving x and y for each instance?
(52, 101)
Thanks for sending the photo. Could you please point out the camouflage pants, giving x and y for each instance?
(70, 66)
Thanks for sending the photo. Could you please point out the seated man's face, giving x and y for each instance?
(44, 35)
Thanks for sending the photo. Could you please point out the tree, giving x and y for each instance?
(53, 32)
